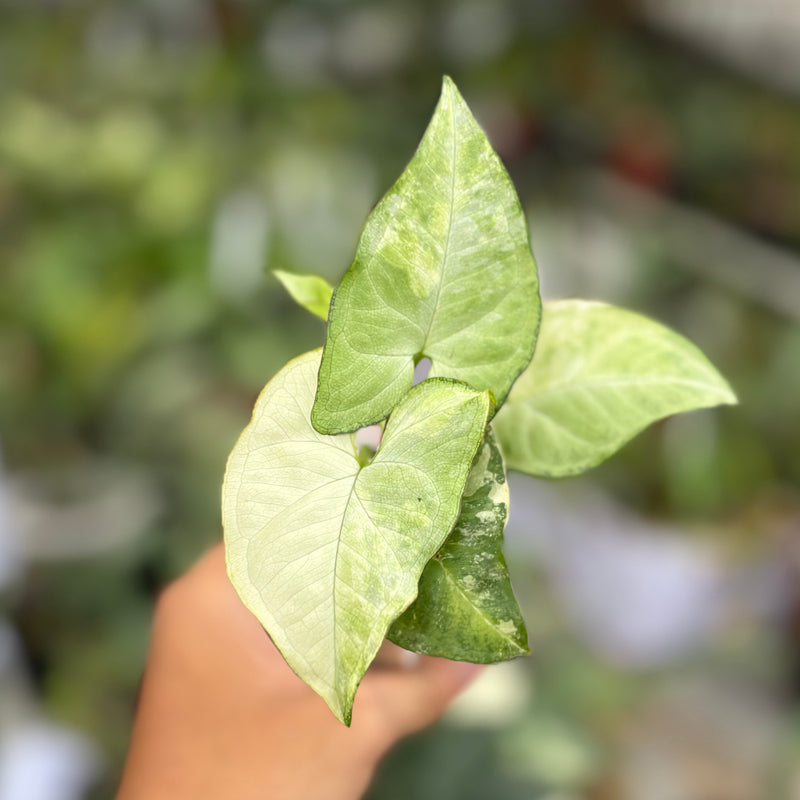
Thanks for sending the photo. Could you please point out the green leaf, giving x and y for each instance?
(466, 609)
(443, 270)
(327, 553)
(309, 291)
(600, 375)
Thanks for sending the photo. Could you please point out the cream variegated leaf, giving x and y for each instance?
(327, 553)
(443, 270)
(600, 375)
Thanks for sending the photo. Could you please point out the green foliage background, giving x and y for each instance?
(157, 158)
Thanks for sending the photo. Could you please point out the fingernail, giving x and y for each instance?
(408, 660)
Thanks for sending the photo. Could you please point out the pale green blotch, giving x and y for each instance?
(309, 291)
(443, 270)
(600, 375)
(327, 553)
(466, 609)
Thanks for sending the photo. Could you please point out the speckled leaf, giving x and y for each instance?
(310, 291)
(443, 270)
(327, 553)
(466, 609)
(600, 375)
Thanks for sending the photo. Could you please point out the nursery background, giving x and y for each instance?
(158, 159)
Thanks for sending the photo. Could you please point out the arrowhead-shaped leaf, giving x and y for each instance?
(465, 609)
(600, 375)
(443, 270)
(309, 291)
(327, 553)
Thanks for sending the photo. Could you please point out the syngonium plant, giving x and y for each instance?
(335, 546)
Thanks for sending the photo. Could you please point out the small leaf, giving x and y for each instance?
(309, 291)
(466, 609)
(443, 270)
(600, 375)
(327, 553)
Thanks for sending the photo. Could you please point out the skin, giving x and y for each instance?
(222, 715)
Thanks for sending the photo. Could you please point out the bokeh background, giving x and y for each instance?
(158, 158)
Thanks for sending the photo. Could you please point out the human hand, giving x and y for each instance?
(223, 717)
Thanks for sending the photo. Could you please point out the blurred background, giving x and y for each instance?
(158, 158)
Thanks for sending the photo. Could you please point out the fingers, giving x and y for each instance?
(402, 693)
(407, 700)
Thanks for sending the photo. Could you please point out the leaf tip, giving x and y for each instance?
(311, 292)
(450, 90)
(283, 277)
(725, 395)
(345, 714)
(341, 699)
(730, 398)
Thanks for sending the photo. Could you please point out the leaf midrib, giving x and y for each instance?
(486, 619)
(446, 251)
(334, 573)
